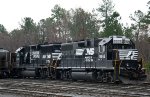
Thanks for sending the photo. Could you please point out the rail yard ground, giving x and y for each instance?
(57, 88)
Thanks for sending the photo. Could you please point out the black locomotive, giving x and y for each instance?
(112, 59)
(7, 60)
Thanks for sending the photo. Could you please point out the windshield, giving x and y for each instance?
(122, 46)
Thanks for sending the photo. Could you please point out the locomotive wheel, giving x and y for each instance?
(65, 75)
(110, 77)
(69, 75)
(43, 73)
(105, 77)
(4, 74)
(95, 76)
(99, 78)
(56, 74)
(62, 75)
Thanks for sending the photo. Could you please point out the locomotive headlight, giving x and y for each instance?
(127, 65)
(140, 66)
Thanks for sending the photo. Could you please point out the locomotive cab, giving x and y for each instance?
(130, 65)
(107, 45)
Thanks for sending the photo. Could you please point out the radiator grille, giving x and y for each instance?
(128, 54)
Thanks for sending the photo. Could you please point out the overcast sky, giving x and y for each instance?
(12, 11)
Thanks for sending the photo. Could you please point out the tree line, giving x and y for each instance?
(77, 24)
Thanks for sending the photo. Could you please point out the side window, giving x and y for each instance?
(101, 48)
(101, 51)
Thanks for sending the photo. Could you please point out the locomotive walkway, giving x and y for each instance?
(57, 88)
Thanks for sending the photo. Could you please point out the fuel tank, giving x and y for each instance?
(89, 76)
(28, 73)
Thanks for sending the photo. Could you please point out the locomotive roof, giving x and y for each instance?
(37, 46)
(73, 42)
(104, 41)
(119, 39)
(43, 45)
(3, 50)
(18, 49)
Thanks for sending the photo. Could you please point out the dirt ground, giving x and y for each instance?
(148, 77)
(10, 95)
(57, 88)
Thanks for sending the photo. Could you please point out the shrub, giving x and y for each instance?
(147, 66)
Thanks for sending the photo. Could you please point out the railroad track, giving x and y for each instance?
(57, 88)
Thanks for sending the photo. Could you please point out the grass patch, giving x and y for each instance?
(147, 66)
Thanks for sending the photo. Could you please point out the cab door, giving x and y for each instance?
(102, 51)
